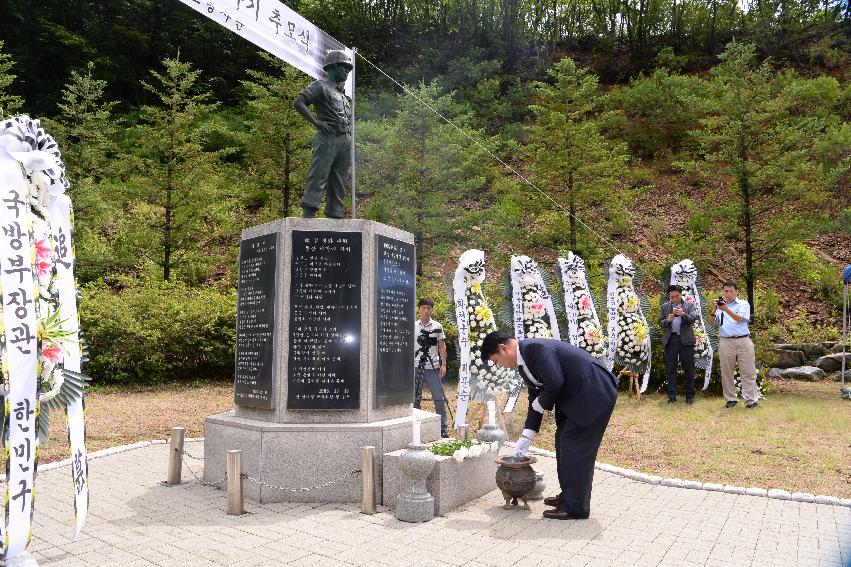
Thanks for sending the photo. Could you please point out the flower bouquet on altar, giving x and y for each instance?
(629, 334)
(584, 327)
(685, 275)
(460, 449)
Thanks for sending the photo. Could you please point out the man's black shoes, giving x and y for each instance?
(689, 401)
(558, 514)
(731, 404)
(750, 405)
(672, 400)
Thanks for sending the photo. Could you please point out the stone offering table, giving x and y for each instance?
(324, 358)
(451, 483)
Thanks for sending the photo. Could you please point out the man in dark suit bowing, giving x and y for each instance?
(583, 392)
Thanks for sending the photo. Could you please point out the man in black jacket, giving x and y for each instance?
(677, 318)
(583, 392)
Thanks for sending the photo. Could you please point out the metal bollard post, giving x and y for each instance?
(367, 476)
(463, 431)
(175, 455)
(235, 501)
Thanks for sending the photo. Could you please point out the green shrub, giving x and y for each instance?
(154, 331)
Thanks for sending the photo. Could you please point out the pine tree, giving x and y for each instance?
(570, 157)
(9, 103)
(766, 134)
(415, 164)
(180, 180)
(85, 130)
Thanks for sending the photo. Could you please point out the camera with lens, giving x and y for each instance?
(720, 301)
(425, 340)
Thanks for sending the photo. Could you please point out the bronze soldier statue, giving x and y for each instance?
(333, 144)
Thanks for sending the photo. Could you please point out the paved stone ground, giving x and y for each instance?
(134, 520)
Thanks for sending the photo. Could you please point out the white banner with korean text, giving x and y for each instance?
(61, 224)
(519, 331)
(19, 293)
(459, 286)
(276, 28)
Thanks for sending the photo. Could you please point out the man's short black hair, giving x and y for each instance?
(490, 346)
(730, 283)
(425, 301)
(675, 287)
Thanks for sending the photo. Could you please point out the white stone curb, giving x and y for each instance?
(773, 493)
(112, 451)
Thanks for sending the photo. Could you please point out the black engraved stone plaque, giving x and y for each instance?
(323, 371)
(255, 322)
(395, 265)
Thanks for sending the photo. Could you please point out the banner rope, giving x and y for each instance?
(490, 153)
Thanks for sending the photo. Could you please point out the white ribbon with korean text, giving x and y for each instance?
(62, 229)
(612, 304)
(459, 286)
(19, 291)
(276, 28)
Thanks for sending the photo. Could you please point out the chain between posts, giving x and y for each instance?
(183, 454)
(302, 489)
(202, 481)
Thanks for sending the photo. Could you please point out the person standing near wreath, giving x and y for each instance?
(430, 360)
(332, 147)
(676, 318)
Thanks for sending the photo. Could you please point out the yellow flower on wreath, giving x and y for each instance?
(632, 302)
(641, 332)
(476, 288)
(484, 312)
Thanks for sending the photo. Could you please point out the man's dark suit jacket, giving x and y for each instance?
(572, 381)
(687, 319)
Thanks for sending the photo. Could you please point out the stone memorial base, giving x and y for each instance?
(299, 455)
(451, 483)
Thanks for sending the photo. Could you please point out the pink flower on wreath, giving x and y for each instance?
(585, 302)
(537, 307)
(689, 298)
(43, 267)
(42, 250)
(592, 336)
(53, 353)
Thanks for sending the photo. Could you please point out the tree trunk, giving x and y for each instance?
(747, 225)
(169, 219)
(572, 204)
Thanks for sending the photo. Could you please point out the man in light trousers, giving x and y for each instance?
(732, 316)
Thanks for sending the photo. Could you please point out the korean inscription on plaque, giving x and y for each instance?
(396, 286)
(255, 322)
(323, 370)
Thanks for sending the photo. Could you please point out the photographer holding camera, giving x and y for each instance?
(732, 316)
(676, 318)
(430, 360)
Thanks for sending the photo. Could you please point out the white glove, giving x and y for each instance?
(536, 405)
(524, 442)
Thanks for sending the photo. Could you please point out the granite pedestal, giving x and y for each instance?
(325, 352)
(298, 455)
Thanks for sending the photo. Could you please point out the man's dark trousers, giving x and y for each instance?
(328, 172)
(576, 451)
(676, 351)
